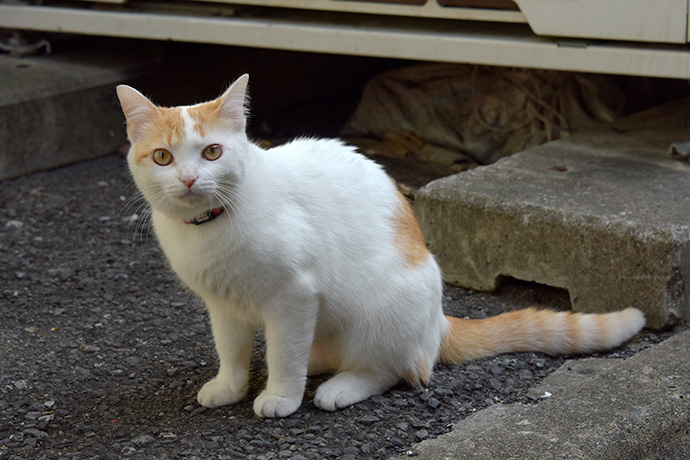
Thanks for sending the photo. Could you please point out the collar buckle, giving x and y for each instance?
(208, 216)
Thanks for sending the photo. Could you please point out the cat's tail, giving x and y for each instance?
(547, 331)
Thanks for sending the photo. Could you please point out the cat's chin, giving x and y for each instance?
(190, 200)
(188, 206)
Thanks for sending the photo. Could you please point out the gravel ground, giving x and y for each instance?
(102, 352)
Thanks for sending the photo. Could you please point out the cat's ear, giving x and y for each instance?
(233, 104)
(138, 110)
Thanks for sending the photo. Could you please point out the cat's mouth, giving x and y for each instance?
(190, 198)
(193, 201)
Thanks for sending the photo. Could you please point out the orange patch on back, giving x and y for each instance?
(408, 236)
(165, 130)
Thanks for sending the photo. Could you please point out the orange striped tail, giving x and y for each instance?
(547, 331)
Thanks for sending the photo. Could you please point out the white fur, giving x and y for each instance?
(306, 250)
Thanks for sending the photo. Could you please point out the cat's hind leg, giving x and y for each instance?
(322, 359)
(350, 387)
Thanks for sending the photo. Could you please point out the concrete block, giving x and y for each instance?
(59, 109)
(605, 216)
(596, 409)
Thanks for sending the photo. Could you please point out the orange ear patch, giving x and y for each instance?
(408, 236)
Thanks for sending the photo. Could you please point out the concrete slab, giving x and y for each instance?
(58, 109)
(604, 215)
(594, 408)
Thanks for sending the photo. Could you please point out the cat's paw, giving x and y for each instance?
(348, 388)
(272, 405)
(333, 397)
(217, 393)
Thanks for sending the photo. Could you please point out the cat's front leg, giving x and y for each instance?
(289, 336)
(234, 340)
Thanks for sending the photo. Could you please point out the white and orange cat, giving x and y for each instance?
(313, 243)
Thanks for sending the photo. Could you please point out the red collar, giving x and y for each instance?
(208, 216)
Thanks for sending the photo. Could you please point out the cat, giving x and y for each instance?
(313, 242)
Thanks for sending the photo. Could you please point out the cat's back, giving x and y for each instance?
(329, 167)
(320, 154)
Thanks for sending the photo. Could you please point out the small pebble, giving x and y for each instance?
(368, 419)
(526, 374)
(433, 403)
(143, 440)
(443, 391)
(421, 434)
(368, 448)
(14, 224)
(62, 274)
(86, 348)
(351, 451)
(30, 442)
(36, 433)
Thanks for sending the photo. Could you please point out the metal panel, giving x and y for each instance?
(429, 9)
(663, 21)
(430, 40)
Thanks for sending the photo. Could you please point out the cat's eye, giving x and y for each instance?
(213, 152)
(162, 157)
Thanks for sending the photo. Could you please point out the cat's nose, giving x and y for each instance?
(188, 181)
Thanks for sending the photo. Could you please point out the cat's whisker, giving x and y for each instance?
(135, 196)
(230, 199)
(128, 205)
(230, 192)
(133, 217)
(144, 212)
(142, 228)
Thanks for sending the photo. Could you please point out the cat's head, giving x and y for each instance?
(186, 160)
